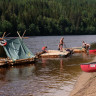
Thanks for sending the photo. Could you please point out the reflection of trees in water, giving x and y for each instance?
(16, 72)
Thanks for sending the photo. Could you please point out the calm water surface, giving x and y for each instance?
(47, 77)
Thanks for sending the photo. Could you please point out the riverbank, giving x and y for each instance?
(85, 85)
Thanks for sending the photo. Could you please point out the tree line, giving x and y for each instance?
(48, 17)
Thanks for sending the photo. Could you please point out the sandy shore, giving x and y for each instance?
(85, 85)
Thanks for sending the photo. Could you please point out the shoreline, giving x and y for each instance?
(85, 84)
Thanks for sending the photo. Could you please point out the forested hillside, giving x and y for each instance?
(48, 17)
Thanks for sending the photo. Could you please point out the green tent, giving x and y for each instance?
(16, 49)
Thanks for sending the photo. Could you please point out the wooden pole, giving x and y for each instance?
(7, 34)
(3, 35)
(19, 35)
(23, 33)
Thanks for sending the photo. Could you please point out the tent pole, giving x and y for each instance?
(19, 35)
(24, 33)
(3, 34)
(7, 34)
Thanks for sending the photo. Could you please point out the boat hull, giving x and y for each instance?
(92, 51)
(90, 67)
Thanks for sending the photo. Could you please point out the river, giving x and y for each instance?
(47, 77)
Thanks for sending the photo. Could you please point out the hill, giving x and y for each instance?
(48, 17)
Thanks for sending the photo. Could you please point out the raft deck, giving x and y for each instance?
(55, 54)
(77, 49)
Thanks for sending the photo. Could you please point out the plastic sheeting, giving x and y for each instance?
(16, 49)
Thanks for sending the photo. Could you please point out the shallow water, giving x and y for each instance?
(47, 77)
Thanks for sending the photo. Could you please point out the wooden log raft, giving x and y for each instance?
(77, 49)
(6, 61)
(16, 50)
(55, 54)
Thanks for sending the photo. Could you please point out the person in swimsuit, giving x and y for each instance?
(85, 45)
(61, 44)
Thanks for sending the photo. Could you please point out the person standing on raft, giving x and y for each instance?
(61, 44)
(85, 45)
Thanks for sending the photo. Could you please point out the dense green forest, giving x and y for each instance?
(48, 17)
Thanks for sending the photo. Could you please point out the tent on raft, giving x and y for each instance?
(15, 52)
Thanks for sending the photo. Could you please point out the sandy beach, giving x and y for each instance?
(85, 85)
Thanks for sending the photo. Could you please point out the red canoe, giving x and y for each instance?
(89, 67)
(92, 51)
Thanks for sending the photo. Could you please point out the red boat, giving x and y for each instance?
(92, 51)
(89, 67)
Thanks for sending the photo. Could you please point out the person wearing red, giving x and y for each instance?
(44, 49)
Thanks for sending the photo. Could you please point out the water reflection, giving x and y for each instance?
(16, 72)
(59, 73)
(67, 65)
(61, 65)
(48, 77)
(44, 62)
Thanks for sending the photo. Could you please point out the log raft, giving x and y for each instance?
(8, 62)
(77, 49)
(15, 52)
(55, 54)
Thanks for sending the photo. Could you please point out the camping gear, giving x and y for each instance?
(15, 52)
(89, 67)
(3, 42)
